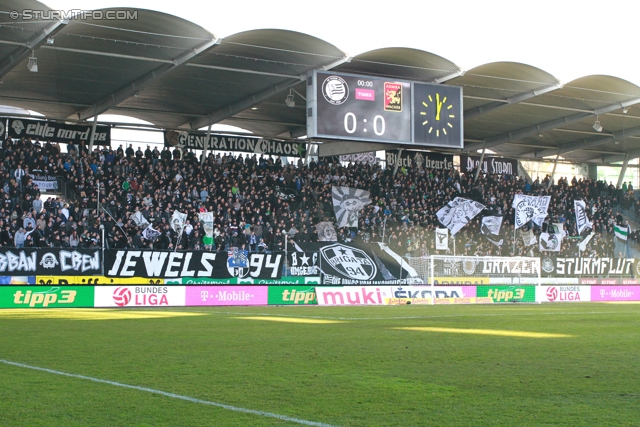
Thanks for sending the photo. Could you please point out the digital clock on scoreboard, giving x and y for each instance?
(358, 108)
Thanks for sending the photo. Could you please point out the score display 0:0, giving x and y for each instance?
(351, 124)
(365, 83)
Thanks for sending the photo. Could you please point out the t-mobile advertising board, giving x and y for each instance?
(227, 295)
(563, 293)
(615, 293)
(139, 296)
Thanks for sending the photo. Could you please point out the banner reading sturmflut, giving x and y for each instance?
(457, 213)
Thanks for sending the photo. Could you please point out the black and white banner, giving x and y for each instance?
(490, 165)
(582, 221)
(43, 130)
(360, 264)
(530, 208)
(218, 265)
(244, 144)
(347, 204)
(419, 159)
(590, 267)
(442, 239)
(550, 242)
(457, 213)
(326, 232)
(303, 264)
(491, 229)
(49, 262)
(528, 238)
(44, 182)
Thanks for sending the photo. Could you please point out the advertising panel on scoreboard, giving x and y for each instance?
(358, 108)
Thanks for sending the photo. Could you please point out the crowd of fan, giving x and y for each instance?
(256, 199)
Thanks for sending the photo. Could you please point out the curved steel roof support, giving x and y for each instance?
(22, 52)
(248, 102)
(242, 104)
(550, 125)
(631, 155)
(589, 143)
(474, 112)
(137, 85)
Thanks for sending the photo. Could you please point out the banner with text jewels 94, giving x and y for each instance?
(589, 267)
(49, 262)
(196, 264)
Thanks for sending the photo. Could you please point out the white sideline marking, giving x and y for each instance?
(172, 395)
(427, 317)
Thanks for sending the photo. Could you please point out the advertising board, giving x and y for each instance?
(514, 293)
(226, 295)
(615, 293)
(292, 295)
(563, 293)
(46, 297)
(139, 296)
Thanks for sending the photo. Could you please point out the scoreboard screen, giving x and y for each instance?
(376, 109)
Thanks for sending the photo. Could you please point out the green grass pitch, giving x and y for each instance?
(362, 370)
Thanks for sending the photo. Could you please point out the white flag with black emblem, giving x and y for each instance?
(177, 221)
(347, 204)
(457, 213)
(582, 221)
(442, 239)
(530, 208)
(550, 242)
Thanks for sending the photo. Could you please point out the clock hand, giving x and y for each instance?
(438, 106)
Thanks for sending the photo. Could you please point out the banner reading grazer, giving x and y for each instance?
(37, 297)
(49, 262)
(360, 264)
(244, 144)
(589, 267)
(43, 130)
(166, 264)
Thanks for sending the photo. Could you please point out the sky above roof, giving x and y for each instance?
(567, 38)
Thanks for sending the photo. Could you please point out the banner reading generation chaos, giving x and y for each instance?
(44, 130)
(244, 144)
(49, 262)
(172, 265)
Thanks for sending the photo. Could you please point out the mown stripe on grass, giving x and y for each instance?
(496, 332)
(290, 319)
(172, 395)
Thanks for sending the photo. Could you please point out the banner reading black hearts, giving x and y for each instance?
(217, 265)
(360, 264)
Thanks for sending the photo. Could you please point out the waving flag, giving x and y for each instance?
(530, 208)
(582, 221)
(457, 213)
(347, 204)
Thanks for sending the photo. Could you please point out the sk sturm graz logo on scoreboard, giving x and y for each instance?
(335, 90)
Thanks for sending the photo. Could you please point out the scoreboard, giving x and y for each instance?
(374, 109)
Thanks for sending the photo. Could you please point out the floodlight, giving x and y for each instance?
(290, 101)
(597, 126)
(32, 65)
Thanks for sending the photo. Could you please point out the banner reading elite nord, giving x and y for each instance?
(292, 295)
(43, 130)
(46, 297)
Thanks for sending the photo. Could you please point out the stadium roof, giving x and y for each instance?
(175, 74)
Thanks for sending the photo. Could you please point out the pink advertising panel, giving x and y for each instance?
(615, 293)
(227, 295)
